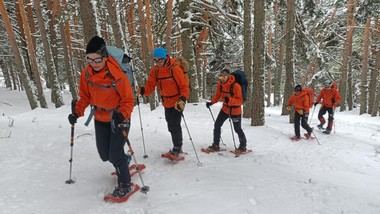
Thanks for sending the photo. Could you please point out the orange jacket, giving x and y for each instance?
(330, 97)
(171, 82)
(235, 100)
(107, 90)
(300, 101)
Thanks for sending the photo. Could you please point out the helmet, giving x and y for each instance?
(160, 53)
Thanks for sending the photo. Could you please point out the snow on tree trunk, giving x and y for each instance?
(50, 67)
(289, 60)
(115, 24)
(347, 53)
(257, 114)
(268, 83)
(6, 75)
(188, 49)
(17, 56)
(247, 58)
(279, 54)
(32, 55)
(364, 74)
(89, 21)
(374, 71)
(376, 104)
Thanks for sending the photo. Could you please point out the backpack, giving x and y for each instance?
(123, 60)
(181, 63)
(310, 94)
(241, 79)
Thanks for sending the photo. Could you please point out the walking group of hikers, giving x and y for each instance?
(303, 99)
(105, 87)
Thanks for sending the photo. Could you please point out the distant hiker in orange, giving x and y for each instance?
(330, 98)
(173, 85)
(300, 100)
(231, 95)
(105, 87)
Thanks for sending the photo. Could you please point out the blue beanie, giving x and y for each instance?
(160, 53)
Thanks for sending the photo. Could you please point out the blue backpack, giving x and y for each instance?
(241, 79)
(123, 60)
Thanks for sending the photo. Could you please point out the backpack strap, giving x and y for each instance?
(171, 76)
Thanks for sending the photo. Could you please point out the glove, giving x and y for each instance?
(315, 104)
(226, 99)
(72, 118)
(300, 112)
(180, 104)
(125, 125)
(289, 108)
(208, 104)
(141, 91)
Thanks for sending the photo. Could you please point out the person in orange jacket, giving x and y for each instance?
(301, 103)
(330, 98)
(232, 97)
(105, 87)
(173, 86)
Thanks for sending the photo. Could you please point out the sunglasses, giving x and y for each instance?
(158, 60)
(96, 60)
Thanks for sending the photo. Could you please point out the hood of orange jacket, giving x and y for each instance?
(107, 90)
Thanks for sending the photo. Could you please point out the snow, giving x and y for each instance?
(339, 176)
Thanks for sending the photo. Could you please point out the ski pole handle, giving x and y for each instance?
(73, 104)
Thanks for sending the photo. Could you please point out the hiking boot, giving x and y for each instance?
(295, 138)
(175, 151)
(308, 135)
(121, 190)
(320, 127)
(214, 148)
(327, 131)
(241, 149)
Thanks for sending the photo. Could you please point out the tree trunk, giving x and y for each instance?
(350, 88)
(17, 56)
(130, 22)
(364, 74)
(51, 69)
(145, 55)
(247, 58)
(67, 62)
(149, 34)
(7, 76)
(268, 85)
(374, 71)
(29, 12)
(289, 61)
(376, 104)
(32, 55)
(347, 53)
(115, 24)
(188, 49)
(87, 14)
(278, 55)
(52, 33)
(258, 118)
(169, 25)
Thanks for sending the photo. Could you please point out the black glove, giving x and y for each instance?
(72, 118)
(315, 104)
(118, 117)
(208, 104)
(125, 125)
(226, 99)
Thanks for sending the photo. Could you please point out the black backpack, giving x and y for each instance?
(241, 79)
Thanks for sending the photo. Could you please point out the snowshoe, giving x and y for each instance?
(212, 149)
(173, 156)
(121, 193)
(240, 151)
(295, 138)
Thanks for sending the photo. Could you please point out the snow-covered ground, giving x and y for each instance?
(342, 175)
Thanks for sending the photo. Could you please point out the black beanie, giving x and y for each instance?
(225, 71)
(96, 45)
(298, 88)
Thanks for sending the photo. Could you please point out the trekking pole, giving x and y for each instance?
(334, 127)
(316, 138)
(144, 188)
(232, 131)
(138, 107)
(212, 115)
(191, 140)
(312, 114)
(71, 181)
